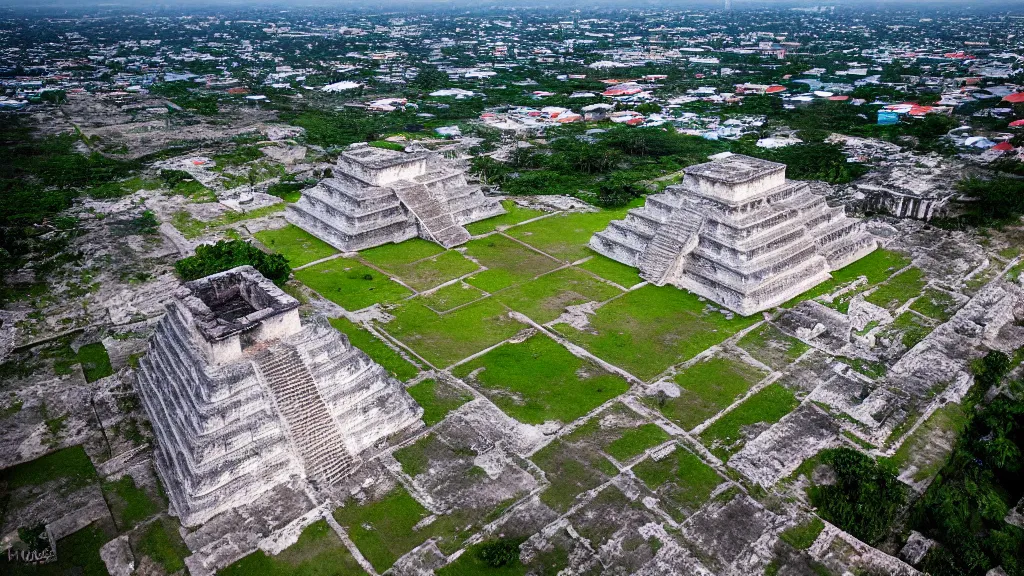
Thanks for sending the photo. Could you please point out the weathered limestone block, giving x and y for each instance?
(117, 557)
(916, 548)
(737, 232)
(778, 451)
(377, 196)
(238, 406)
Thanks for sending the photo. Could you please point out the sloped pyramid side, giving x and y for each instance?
(305, 405)
(748, 255)
(366, 205)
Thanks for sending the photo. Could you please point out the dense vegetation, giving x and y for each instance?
(809, 161)
(225, 255)
(609, 169)
(862, 497)
(966, 506)
(39, 178)
(606, 169)
(993, 202)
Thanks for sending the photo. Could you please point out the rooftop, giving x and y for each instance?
(233, 302)
(377, 158)
(735, 169)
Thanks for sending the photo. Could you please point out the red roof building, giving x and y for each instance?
(1003, 147)
(775, 89)
(1015, 98)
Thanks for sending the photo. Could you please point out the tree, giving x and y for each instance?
(499, 553)
(225, 255)
(865, 497)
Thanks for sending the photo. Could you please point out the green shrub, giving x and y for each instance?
(965, 508)
(225, 255)
(865, 497)
(499, 553)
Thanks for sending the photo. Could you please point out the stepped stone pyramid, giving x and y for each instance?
(243, 396)
(738, 233)
(376, 196)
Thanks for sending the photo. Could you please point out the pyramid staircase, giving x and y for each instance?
(313, 431)
(671, 244)
(436, 221)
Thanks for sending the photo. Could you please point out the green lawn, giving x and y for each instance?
(383, 530)
(380, 352)
(625, 276)
(296, 245)
(804, 534)
(566, 236)
(876, 267)
(318, 552)
(128, 503)
(350, 284)
(571, 472)
(935, 304)
(95, 361)
(444, 340)
(651, 328)
(771, 346)
(899, 289)
(635, 441)
(724, 437)
(71, 465)
(545, 298)
(433, 270)
(911, 328)
(928, 448)
(414, 458)
(451, 296)
(437, 399)
(388, 256)
(538, 381)
(161, 542)
(514, 214)
(707, 388)
(508, 263)
(680, 478)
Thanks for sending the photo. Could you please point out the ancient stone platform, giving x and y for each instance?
(244, 397)
(376, 196)
(737, 232)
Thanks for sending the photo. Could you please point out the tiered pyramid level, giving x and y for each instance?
(378, 196)
(243, 397)
(737, 232)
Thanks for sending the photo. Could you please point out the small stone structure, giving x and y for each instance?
(376, 196)
(244, 397)
(737, 232)
(921, 190)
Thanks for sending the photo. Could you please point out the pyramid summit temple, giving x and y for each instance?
(738, 233)
(376, 196)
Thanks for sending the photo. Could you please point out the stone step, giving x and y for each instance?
(436, 220)
(673, 241)
(313, 431)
